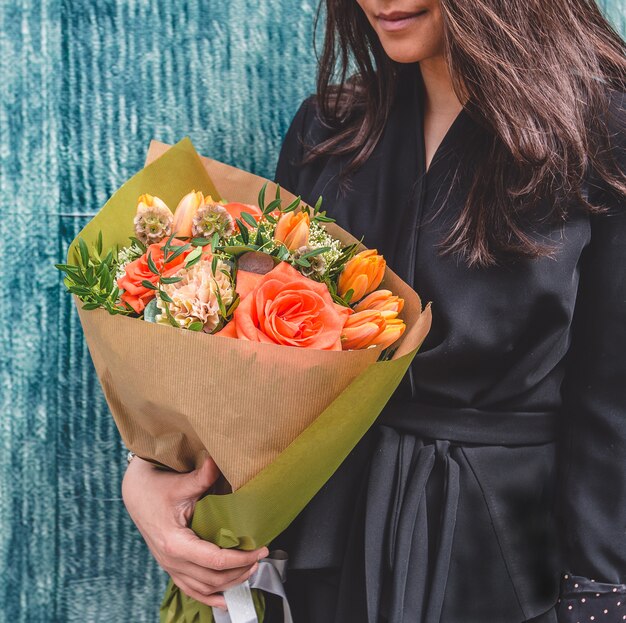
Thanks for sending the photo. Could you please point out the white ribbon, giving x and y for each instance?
(269, 577)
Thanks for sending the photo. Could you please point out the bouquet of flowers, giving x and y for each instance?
(250, 330)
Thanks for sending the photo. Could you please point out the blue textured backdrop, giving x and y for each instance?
(84, 87)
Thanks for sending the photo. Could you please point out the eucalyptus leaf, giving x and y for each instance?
(151, 311)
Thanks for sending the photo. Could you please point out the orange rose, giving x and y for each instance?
(293, 230)
(362, 274)
(136, 294)
(286, 308)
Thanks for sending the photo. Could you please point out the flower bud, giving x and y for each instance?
(384, 301)
(293, 230)
(362, 274)
(362, 329)
(186, 210)
(153, 220)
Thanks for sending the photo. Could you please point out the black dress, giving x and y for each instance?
(495, 481)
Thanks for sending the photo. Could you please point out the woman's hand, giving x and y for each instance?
(161, 505)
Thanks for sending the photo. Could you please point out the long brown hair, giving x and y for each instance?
(537, 75)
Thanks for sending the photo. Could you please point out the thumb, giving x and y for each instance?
(199, 481)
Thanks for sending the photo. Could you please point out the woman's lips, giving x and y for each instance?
(392, 22)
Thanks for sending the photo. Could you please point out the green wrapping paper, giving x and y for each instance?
(279, 441)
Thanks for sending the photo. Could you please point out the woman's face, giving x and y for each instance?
(409, 30)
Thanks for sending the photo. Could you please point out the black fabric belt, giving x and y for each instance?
(465, 425)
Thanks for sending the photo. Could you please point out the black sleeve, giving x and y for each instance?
(292, 150)
(593, 461)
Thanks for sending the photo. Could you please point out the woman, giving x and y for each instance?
(481, 148)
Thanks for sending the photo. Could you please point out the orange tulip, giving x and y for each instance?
(293, 230)
(184, 213)
(393, 330)
(362, 274)
(384, 301)
(362, 329)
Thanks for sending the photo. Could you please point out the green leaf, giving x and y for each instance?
(147, 284)
(347, 297)
(200, 242)
(192, 262)
(195, 326)
(262, 197)
(323, 219)
(138, 244)
(99, 243)
(249, 219)
(277, 192)
(169, 280)
(293, 205)
(303, 262)
(214, 264)
(271, 219)
(196, 254)
(84, 252)
(215, 241)
(235, 249)
(318, 204)
(179, 251)
(165, 296)
(151, 265)
(245, 235)
(90, 306)
(274, 205)
(233, 306)
(314, 252)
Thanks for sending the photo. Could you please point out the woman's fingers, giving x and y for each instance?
(210, 577)
(210, 589)
(186, 545)
(195, 590)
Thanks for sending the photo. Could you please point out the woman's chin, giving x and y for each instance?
(407, 52)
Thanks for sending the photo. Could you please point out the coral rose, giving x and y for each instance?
(135, 293)
(286, 308)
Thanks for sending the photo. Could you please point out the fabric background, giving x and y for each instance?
(84, 86)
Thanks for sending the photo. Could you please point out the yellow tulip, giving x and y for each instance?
(362, 274)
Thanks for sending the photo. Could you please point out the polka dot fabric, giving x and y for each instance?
(587, 601)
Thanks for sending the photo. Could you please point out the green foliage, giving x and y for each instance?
(91, 279)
